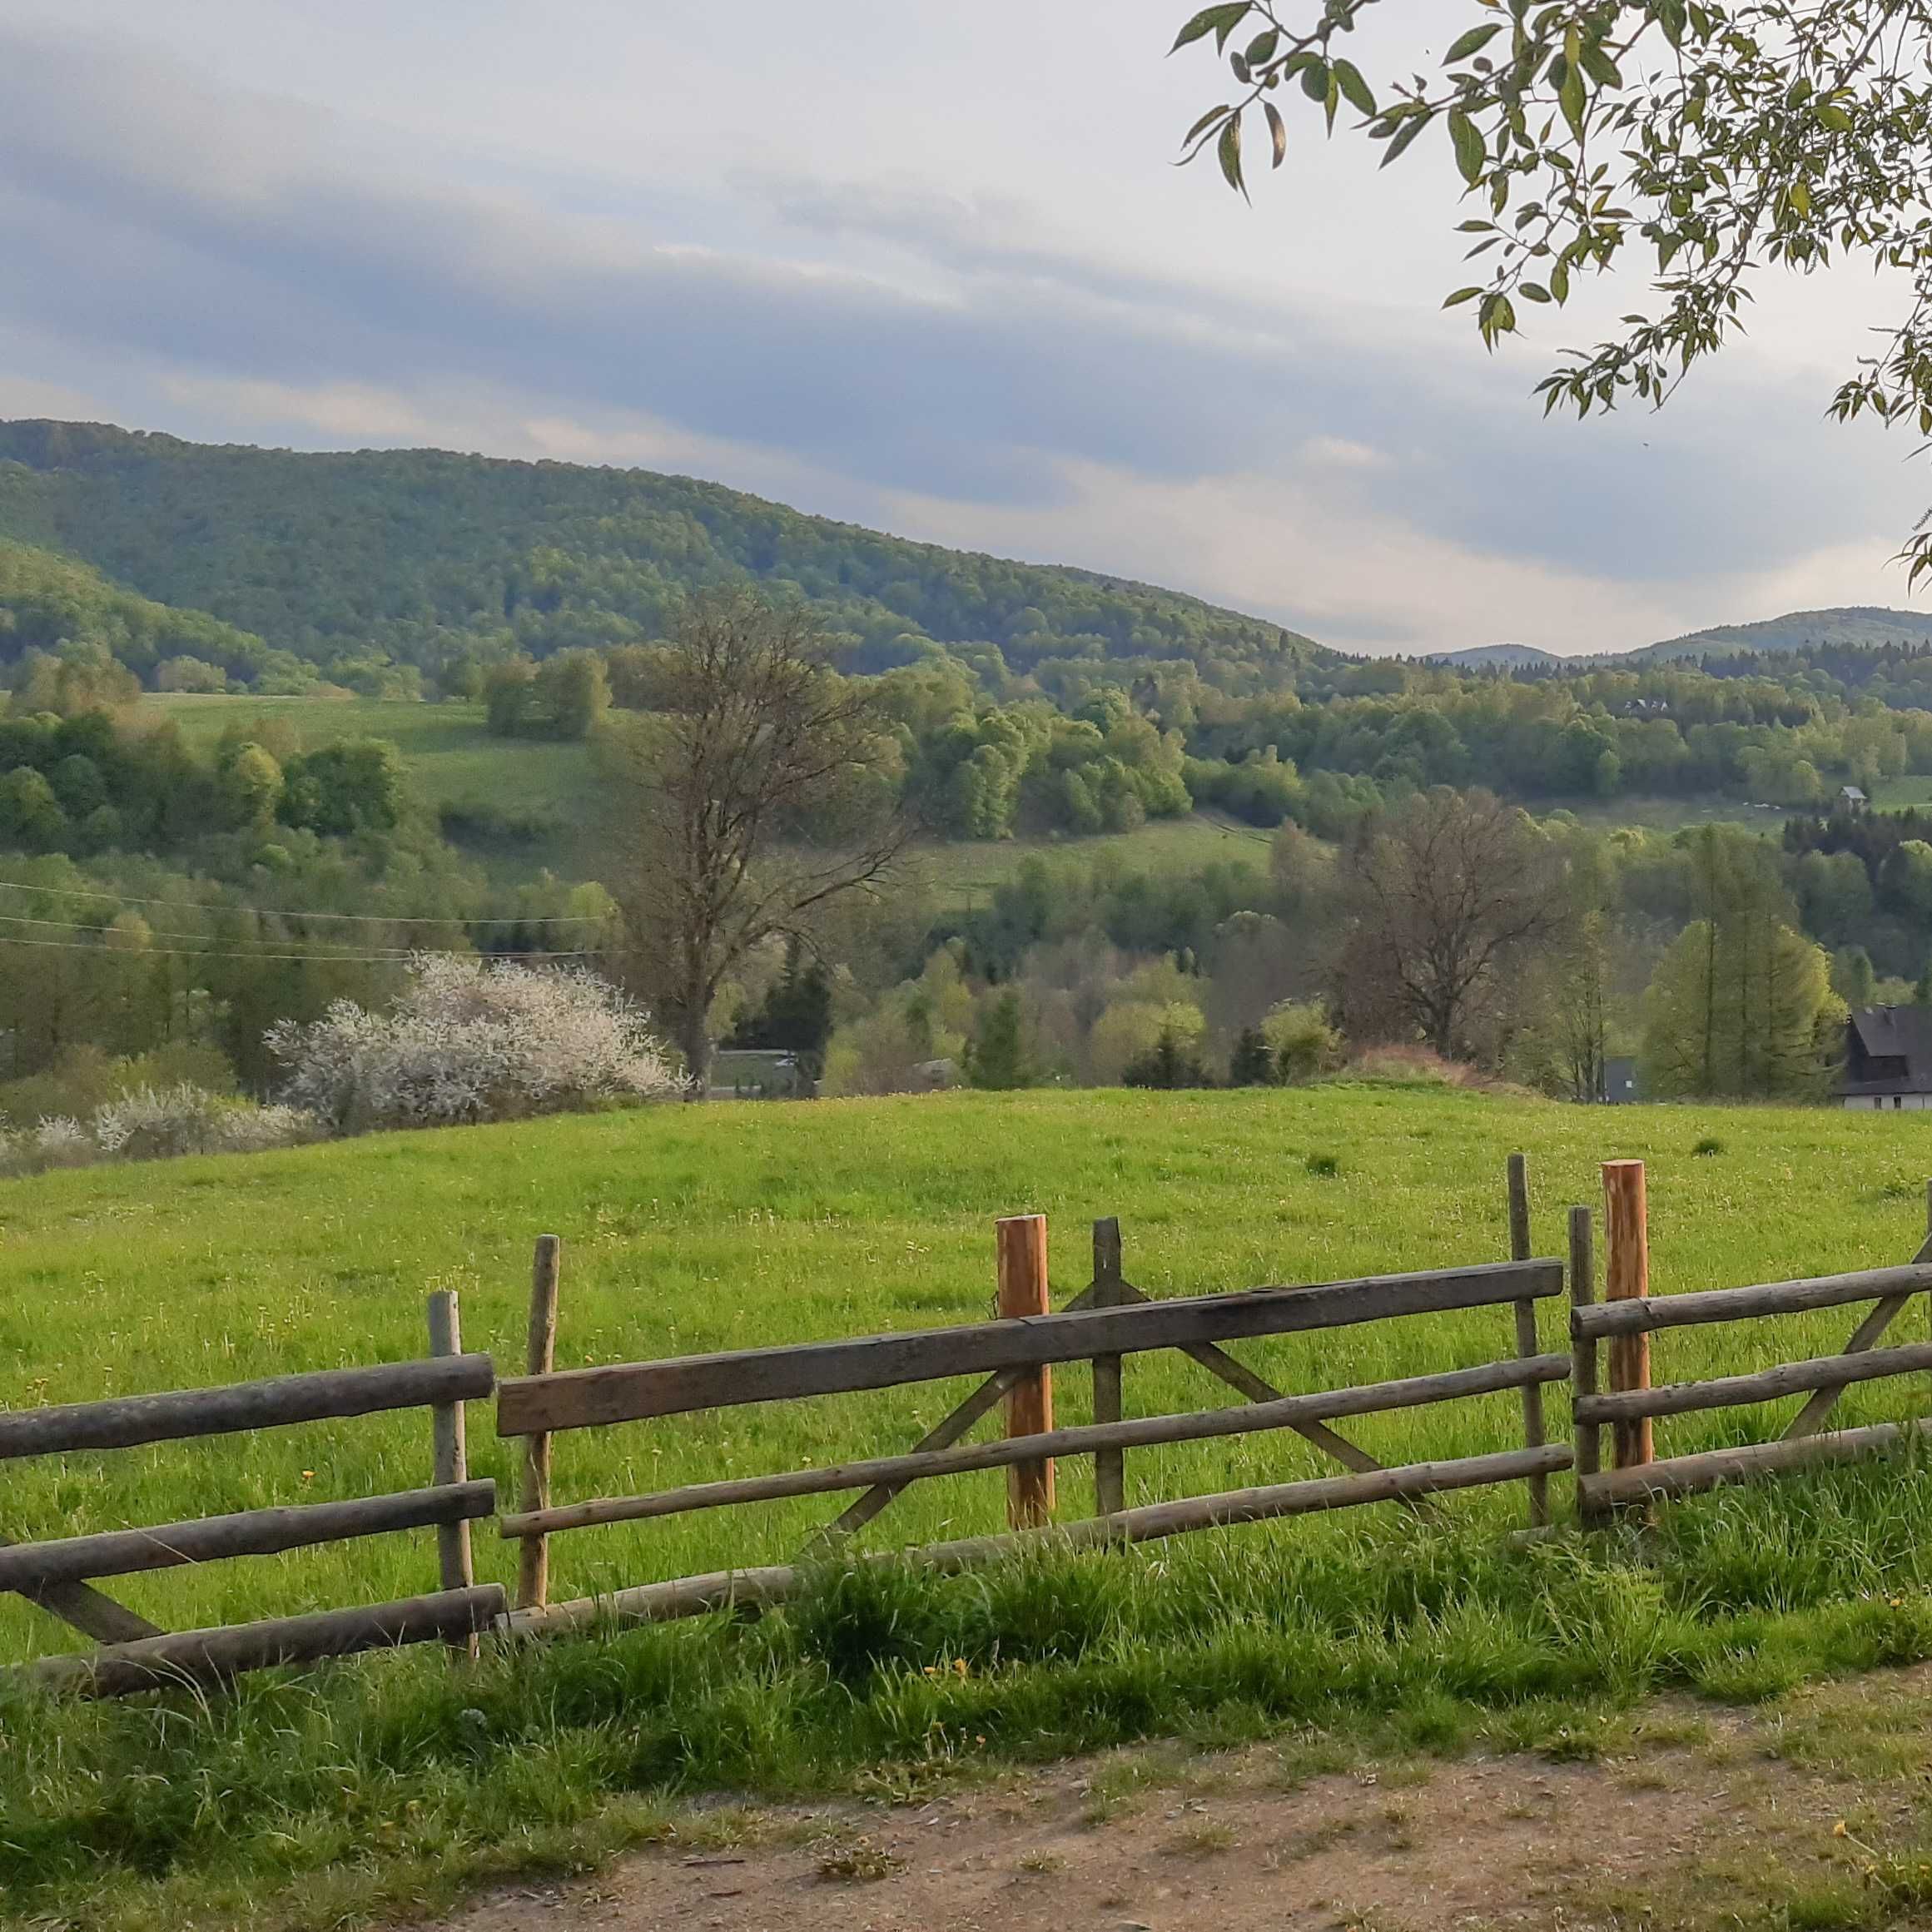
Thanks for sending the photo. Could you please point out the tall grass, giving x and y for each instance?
(393, 1781)
(694, 1228)
(309, 1798)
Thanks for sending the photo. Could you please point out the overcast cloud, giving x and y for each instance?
(923, 267)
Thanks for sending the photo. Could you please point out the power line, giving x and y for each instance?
(279, 912)
(132, 952)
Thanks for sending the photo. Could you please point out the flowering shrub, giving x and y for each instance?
(60, 1142)
(152, 1126)
(470, 1041)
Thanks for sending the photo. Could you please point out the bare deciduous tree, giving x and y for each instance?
(754, 797)
(1448, 890)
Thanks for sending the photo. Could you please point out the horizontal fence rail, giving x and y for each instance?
(1147, 1522)
(137, 1655)
(1198, 1425)
(128, 1421)
(31, 1567)
(1765, 1385)
(634, 1392)
(1687, 1475)
(1644, 1315)
(211, 1656)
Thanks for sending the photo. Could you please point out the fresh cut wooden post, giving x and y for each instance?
(534, 1559)
(1627, 1277)
(1020, 1243)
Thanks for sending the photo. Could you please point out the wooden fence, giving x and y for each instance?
(133, 1653)
(1632, 1315)
(1107, 1323)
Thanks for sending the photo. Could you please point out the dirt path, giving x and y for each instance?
(1690, 1817)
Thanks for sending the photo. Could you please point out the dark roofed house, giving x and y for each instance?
(1850, 798)
(1887, 1058)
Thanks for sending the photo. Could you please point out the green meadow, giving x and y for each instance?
(737, 1225)
(389, 1785)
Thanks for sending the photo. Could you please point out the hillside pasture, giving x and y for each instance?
(689, 1229)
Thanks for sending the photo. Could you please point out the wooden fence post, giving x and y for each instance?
(534, 1554)
(1021, 1248)
(1526, 1336)
(1627, 1277)
(452, 1454)
(1109, 1465)
(1586, 1437)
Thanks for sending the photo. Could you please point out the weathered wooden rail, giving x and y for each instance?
(1109, 1321)
(58, 1573)
(1628, 1408)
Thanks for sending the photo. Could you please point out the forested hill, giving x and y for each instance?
(422, 556)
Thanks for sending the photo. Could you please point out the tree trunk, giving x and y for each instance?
(694, 1037)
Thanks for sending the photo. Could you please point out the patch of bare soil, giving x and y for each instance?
(1688, 1818)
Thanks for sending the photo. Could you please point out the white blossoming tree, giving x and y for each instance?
(471, 1041)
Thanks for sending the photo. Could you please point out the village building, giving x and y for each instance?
(1888, 1059)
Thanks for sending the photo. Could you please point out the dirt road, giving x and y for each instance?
(1683, 1816)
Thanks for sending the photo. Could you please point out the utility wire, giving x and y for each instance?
(279, 912)
(319, 958)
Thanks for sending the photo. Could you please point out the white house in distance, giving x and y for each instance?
(1888, 1059)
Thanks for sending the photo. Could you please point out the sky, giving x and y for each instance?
(921, 266)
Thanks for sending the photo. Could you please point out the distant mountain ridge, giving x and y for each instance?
(426, 557)
(1497, 657)
(1857, 627)
(1847, 626)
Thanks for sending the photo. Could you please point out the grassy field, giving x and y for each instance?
(460, 769)
(389, 1784)
(690, 1229)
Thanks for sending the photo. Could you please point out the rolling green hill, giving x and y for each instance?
(424, 555)
(46, 600)
(1862, 627)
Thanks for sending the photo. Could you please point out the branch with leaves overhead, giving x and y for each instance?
(1721, 139)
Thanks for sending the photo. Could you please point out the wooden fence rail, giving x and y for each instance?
(1108, 1321)
(1639, 1476)
(133, 1653)
(633, 1392)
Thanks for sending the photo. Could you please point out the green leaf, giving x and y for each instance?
(1315, 79)
(1219, 21)
(1600, 67)
(1559, 280)
(1278, 132)
(1461, 296)
(1470, 152)
(1571, 97)
(1833, 117)
(1332, 100)
(1204, 123)
(1535, 291)
(1473, 42)
(1354, 88)
(1260, 50)
(1228, 152)
(1405, 137)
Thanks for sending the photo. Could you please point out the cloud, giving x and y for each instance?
(205, 257)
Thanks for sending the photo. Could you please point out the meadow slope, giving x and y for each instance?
(695, 1229)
